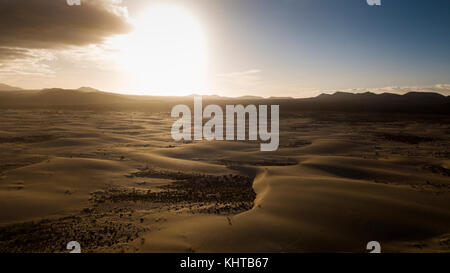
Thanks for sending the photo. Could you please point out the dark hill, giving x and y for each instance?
(84, 98)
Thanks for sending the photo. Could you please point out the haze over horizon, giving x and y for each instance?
(228, 48)
(443, 89)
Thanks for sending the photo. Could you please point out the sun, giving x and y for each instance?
(166, 54)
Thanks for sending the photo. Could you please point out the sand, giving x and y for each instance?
(117, 182)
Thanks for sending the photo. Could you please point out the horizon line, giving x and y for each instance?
(398, 90)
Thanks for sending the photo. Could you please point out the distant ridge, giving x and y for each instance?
(280, 98)
(5, 87)
(90, 98)
(88, 89)
(390, 98)
(249, 98)
(411, 102)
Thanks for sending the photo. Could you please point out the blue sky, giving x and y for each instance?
(330, 44)
(284, 48)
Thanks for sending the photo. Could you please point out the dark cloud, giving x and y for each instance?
(53, 24)
(13, 53)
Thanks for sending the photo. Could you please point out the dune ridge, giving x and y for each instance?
(117, 182)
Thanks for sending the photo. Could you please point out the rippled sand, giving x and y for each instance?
(116, 181)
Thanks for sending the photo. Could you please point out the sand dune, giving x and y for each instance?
(299, 209)
(116, 181)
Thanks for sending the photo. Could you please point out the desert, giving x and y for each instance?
(114, 180)
(211, 130)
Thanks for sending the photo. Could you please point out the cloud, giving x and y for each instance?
(241, 80)
(13, 53)
(437, 88)
(50, 24)
(34, 32)
(443, 89)
(248, 82)
(239, 74)
(30, 62)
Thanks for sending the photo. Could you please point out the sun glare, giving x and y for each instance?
(167, 52)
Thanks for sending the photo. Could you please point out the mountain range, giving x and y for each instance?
(90, 98)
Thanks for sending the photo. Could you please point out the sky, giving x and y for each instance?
(297, 48)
